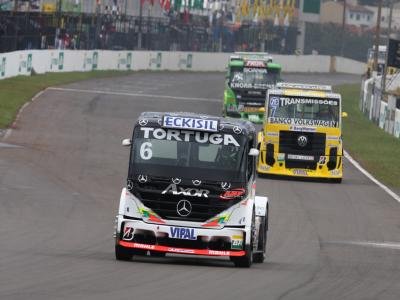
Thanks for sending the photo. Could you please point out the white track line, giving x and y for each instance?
(8, 132)
(387, 245)
(372, 178)
(134, 94)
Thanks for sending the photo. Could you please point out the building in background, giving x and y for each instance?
(356, 15)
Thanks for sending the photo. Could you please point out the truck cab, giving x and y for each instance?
(191, 190)
(302, 132)
(248, 78)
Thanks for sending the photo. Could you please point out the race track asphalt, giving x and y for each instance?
(59, 193)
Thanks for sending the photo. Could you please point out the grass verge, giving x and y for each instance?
(16, 91)
(376, 150)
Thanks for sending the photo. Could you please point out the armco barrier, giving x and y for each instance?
(42, 61)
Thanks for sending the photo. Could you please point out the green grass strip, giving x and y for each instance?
(16, 91)
(376, 150)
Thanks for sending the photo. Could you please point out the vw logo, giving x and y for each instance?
(184, 208)
(130, 185)
(302, 141)
(237, 130)
(176, 180)
(142, 178)
(196, 182)
(143, 122)
(225, 185)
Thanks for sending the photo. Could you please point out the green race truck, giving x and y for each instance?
(249, 77)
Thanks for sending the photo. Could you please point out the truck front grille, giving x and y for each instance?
(288, 143)
(202, 208)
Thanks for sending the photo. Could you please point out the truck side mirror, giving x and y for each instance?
(344, 114)
(126, 142)
(254, 152)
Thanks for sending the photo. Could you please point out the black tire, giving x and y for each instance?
(259, 257)
(122, 253)
(336, 180)
(247, 260)
(157, 254)
(139, 252)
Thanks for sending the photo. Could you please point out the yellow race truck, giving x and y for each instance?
(302, 132)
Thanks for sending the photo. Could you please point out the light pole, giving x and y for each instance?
(377, 98)
(343, 27)
(140, 24)
(16, 24)
(377, 35)
(387, 47)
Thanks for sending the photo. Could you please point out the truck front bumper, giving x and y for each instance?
(137, 234)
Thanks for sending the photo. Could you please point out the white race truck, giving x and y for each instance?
(191, 190)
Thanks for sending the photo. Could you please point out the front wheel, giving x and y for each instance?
(157, 254)
(336, 180)
(259, 257)
(247, 260)
(122, 253)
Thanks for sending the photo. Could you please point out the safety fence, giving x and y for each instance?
(30, 62)
(384, 111)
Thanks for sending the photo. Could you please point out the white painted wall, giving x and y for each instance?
(349, 66)
(42, 61)
(385, 111)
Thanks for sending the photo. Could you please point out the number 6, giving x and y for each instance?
(145, 151)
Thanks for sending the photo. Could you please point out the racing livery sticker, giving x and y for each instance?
(232, 194)
(192, 192)
(128, 233)
(285, 101)
(306, 122)
(189, 136)
(182, 233)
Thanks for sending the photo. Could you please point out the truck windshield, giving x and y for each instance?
(256, 78)
(295, 110)
(184, 153)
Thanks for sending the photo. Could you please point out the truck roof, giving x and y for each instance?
(264, 56)
(241, 62)
(304, 90)
(303, 86)
(157, 119)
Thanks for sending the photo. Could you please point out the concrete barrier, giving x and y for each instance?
(397, 124)
(385, 112)
(42, 61)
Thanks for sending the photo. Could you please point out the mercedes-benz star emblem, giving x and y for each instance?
(130, 185)
(196, 182)
(143, 122)
(176, 180)
(302, 140)
(184, 208)
(225, 185)
(142, 178)
(237, 130)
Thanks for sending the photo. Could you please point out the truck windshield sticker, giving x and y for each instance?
(285, 101)
(302, 122)
(255, 63)
(255, 70)
(190, 123)
(303, 111)
(188, 136)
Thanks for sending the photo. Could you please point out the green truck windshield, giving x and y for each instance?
(253, 78)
